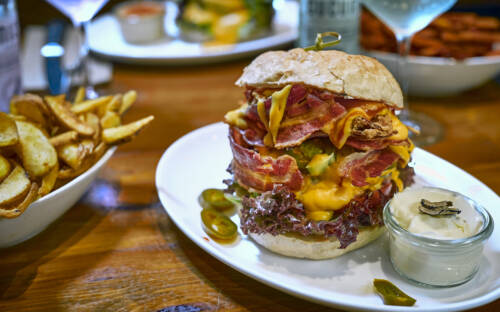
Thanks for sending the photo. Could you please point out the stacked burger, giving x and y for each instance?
(317, 151)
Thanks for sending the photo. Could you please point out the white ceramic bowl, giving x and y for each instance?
(439, 76)
(141, 28)
(47, 209)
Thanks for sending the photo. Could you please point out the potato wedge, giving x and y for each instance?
(37, 154)
(110, 120)
(71, 154)
(90, 105)
(17, 117)
(30, 106)
(69, 173)
(48, 181)
(99, 150)
(87, 146)
(126, 132)
(93, 121)
(80, 95)
(15, 186)
(8, 131)
(5, 167)
(113, 106)
(64, 138)
(15, 211)
(66, 117)
(127, 101)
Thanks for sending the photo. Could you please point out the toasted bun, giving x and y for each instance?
(358, 76)
(293, 246)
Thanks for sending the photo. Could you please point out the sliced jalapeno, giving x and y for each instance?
(216, 199)
(218, 225)
(391, 294)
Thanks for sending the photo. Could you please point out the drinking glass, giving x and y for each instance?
(405, 18)
(80, 12)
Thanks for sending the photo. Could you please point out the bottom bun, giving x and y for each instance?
(302, 247)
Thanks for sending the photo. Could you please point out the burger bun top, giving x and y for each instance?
(356, 76)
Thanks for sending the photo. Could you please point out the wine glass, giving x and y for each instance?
(80, 12)
(405, 18)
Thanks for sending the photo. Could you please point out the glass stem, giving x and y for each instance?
(403, 50)
(81, 68)
(89, 88)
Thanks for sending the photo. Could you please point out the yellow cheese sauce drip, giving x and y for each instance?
(235, 117)
(404, 152)
(324, 197)
(278, 105)
(332, 193)
(261, 110)
(402, 130)
(344, 125)
(376, 182)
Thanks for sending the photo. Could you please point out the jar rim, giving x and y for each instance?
(483, 234)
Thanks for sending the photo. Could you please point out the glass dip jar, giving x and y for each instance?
(432, 257)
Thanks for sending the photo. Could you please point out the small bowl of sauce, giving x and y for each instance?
(436, 236)
(141, 22)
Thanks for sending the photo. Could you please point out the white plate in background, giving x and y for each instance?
(441, 76)
(105, 39)
(199, 160)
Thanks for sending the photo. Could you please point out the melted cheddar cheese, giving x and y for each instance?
(278, 105)
(403, 152)
(342, 128)
(402, 130)
(321, 199)
(331, 193)
(236, 117)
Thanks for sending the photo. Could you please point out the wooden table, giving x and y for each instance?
(117, 250)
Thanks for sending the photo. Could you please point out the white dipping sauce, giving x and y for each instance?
(434, 250)
(404, 208)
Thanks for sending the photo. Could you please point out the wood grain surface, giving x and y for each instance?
(117, 250)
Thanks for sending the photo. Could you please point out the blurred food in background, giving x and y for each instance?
(141, 22)
(454, 34)
(224, 21)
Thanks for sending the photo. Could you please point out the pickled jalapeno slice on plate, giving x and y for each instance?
(218, 225)
(391, 294)
(215, 199)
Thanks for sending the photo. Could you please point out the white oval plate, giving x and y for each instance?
(105, 39)
(199, 160)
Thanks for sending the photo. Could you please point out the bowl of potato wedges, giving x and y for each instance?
(51, 150)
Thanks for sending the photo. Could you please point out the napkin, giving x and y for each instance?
(33, 64)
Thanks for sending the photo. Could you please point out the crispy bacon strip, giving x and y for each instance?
(359, 166)
(294, 131)
(377, 144)
(306, 113)
(252, 170)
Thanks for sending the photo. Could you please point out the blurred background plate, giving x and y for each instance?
(439, 76)
(105, 39)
